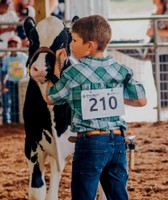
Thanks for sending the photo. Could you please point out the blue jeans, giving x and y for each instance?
(13, 90)
(100, 158)
(10, 103)
(6, 105)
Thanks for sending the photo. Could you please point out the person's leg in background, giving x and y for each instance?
(13, 89)
(6, 108)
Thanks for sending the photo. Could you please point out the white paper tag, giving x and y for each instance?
(102, 103)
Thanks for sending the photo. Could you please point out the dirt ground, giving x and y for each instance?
(148, 180)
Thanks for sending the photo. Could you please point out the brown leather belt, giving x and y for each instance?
(98, 132)
(93, 132)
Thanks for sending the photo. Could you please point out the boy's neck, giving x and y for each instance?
(13, 54)
(97, 54)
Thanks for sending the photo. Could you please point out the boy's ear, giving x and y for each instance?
(92, 45)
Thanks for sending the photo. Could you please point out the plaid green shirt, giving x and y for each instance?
(93, 73)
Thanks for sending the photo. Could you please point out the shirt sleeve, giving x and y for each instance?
(25, 57)
(59, 92)
(4, 65)
(134, 90)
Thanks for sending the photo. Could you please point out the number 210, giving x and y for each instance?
(112, 102)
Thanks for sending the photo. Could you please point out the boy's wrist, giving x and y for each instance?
(57, 70)
(54, 78)
(50, 83)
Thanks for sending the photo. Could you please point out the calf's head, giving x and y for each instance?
(45, 37)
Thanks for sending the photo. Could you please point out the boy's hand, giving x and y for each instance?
(61, 56)
(4, 89)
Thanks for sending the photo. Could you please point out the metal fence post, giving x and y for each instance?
(157, 68)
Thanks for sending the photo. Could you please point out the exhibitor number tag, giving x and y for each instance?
(102, 103)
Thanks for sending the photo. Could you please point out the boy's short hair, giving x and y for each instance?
(93, 28)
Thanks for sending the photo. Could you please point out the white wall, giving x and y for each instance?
(86, 7)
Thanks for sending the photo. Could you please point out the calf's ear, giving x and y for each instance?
(29, 23)
(74, 19)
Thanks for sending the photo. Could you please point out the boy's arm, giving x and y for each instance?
(160, 32)
(136, 102)
(3, 82)
(4, 75)
(49, 84)
(135, 93)
(60, 59)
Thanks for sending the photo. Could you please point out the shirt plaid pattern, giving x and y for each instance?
(93, 73)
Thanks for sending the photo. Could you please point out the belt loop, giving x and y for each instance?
(122, 131)
(111, 134)
(84, 135)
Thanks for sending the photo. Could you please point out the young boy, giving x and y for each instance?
(13, 70)
(96, 92)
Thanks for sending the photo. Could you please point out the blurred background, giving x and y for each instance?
(130, 44)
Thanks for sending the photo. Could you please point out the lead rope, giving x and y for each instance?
(59, 63)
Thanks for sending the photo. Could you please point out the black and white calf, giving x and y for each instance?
(45, 124)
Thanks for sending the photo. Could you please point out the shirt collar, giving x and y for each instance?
(97, 62)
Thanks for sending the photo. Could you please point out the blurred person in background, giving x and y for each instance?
(161, 8)
(6, 31)
(13, 70)
(6, 15)
(26, 11)
(19, 4)
(59, 10)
